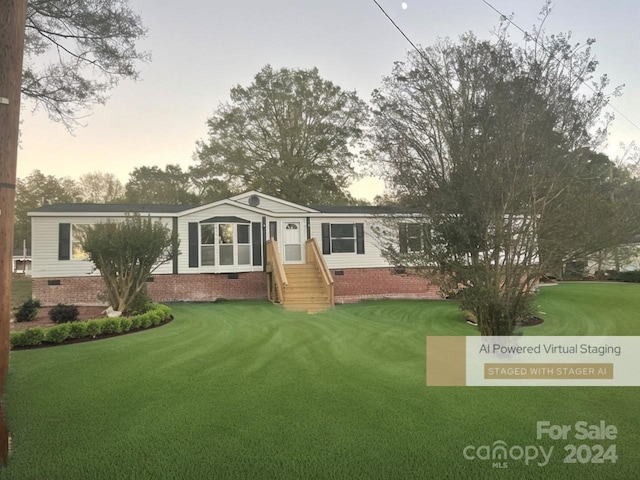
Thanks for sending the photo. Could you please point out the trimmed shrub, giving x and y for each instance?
(93, 328)
(110, 326)
(632, 276)
(62, 313)
(146, 320)
(28, 310)
(17, 339)
(125, 323)
(33, 336)
(77, 329)
(136, 322)
(57, 334)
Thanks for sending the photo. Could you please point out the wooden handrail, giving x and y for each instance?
(277, 269)
(314, 256)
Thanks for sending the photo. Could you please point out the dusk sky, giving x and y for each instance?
(200, 49)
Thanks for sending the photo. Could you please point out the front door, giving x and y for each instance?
(292, 242)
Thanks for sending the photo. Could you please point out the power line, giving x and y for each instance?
(420, 52)
(527, 35)
(511, 22)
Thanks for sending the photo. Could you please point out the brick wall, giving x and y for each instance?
(354, 285)
(164, 288)
(376, 283)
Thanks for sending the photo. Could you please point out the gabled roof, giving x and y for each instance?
(297, 206)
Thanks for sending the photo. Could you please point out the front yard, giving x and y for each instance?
(248, 390)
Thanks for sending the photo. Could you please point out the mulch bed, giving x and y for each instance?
(530, 322)
(43, 320)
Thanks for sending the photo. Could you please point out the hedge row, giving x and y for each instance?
(104, 326)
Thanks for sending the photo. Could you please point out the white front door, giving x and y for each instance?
(292, 241)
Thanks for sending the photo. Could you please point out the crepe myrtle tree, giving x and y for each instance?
(126, 253)
(486, 141)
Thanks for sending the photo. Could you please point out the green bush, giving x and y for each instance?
(126, 323)
(17, 339)
(77, 329)
(57, 334)
(632, 276)
(28, 310)
(146, 320)
(62, 313)
(110, 326)
(93, 328)
(136, 322)
(33, 336)
(140, 304)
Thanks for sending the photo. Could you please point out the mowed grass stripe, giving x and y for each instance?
(248, 390)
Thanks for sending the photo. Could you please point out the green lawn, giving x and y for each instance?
(248, 390)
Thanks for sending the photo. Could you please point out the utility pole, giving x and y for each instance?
(12, 23)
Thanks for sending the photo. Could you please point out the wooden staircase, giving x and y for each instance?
(301, 287)
(305, 290)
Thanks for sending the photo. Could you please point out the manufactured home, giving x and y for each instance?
(249, 246)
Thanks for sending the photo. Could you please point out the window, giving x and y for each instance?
(77, 252)
(244, 249)
(342, 238)
(226, 243)
(413, 237)
(207, 245)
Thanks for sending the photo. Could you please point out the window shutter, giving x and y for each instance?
(256, 242)
(64, 241)
(403, 237)
(193, 245)
(360, 238)
(326, 239)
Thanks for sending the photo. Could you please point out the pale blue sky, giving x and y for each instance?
(202, 48)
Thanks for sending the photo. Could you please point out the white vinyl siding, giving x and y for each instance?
(372, 258)
(45, 242)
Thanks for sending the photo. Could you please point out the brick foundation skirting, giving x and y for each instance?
(355, 284)
(351, 286)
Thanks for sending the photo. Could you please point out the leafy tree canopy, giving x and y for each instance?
(99, 187)
(290, 133)
(170, 186)
(126, 253)
(76, 51)
(489, 139)
(34, 191)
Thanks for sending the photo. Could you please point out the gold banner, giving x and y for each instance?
(548, 371)
(446, 361)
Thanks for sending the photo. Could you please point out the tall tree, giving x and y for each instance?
(99, 187)
(154, 185)
(36, 190)
(290, 133)
(89, 46)
(486, 138)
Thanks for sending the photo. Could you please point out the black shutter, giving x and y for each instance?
(360, 238)
(174, 246)
(256, 241)
(403, 237)
(64, 241)
(326, 239)
(273, 230)
(194, 261)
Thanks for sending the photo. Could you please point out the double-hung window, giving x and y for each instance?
(225, 244)
(342, 238)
